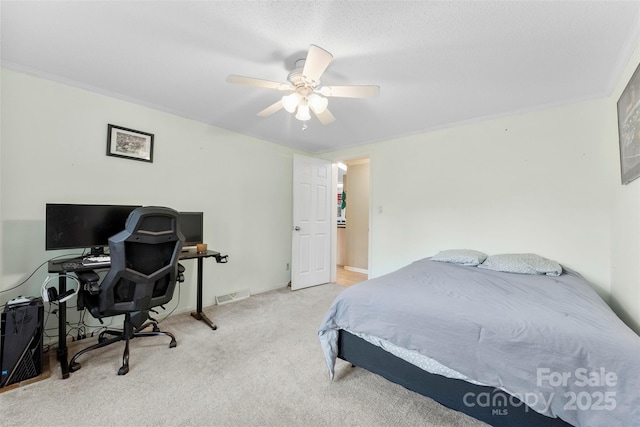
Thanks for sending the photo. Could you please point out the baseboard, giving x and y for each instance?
(357, 269)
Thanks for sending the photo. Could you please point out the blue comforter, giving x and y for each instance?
(550, 341)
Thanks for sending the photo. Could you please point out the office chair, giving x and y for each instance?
(143, 274)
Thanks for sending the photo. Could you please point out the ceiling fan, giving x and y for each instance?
(307, 93)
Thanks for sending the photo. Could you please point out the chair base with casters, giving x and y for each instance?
(125, 335)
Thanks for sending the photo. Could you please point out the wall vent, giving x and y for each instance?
(235, 296)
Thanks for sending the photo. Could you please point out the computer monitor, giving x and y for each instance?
(191, 225)
(83, 226)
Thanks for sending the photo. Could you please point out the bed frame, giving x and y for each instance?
(484, 403)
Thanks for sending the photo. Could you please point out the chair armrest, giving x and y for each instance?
(89, 281)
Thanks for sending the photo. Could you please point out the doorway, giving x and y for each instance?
(353, 207)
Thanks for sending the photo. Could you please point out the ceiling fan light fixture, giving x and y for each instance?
(291, 101)
(304, 92)
(303, 112)
(318, 103)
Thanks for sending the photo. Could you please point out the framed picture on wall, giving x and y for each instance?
(629, 129)
(129, 143)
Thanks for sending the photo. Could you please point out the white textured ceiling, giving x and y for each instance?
(438, 63)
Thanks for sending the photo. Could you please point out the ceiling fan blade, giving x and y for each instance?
(316, 62)
(250, 81)
(362, 91)
(325, 117)
(273, 108)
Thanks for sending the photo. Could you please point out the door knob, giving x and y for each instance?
(296, 228)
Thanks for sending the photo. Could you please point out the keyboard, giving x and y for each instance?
(72, 265)
(98, 260)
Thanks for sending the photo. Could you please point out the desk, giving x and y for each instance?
(56, 266)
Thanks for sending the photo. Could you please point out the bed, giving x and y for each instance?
(506, 348)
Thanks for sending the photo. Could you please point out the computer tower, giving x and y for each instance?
(21, 343)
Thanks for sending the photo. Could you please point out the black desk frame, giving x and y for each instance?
(55, 266)
(200, 256)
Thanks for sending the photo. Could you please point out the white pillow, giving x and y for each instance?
(522, 264)
(460, 256)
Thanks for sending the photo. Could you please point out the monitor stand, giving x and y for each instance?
(97, 250)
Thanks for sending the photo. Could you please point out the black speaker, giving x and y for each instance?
(21, 343)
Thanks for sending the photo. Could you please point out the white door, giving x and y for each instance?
(311, 229)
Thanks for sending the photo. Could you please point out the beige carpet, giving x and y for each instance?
(262, 367)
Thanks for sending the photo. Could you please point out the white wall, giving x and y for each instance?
(536, 182)
(53, 144)
(625, 222)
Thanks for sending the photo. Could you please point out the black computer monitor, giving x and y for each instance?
(83, 226)
(191, 225)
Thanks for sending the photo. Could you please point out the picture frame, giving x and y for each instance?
(129, 143)
(629, 129)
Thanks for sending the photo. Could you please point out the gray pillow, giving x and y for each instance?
(523, 264)
(460, 256)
